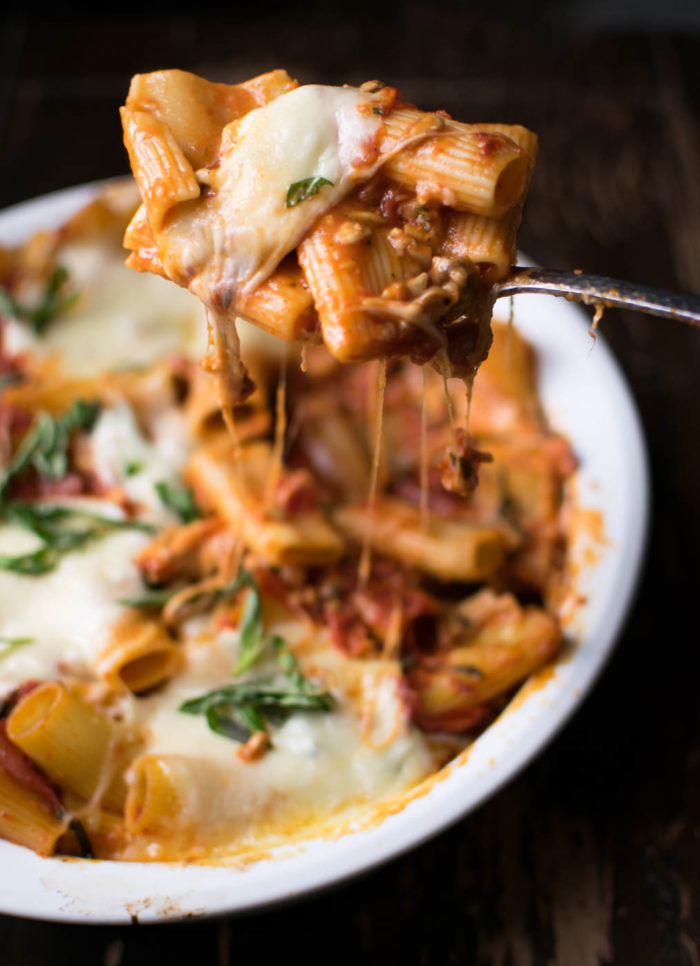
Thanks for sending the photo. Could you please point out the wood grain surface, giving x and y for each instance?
(592, 856)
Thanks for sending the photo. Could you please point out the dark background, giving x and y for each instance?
(592, 855)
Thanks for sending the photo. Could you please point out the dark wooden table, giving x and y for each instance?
(593, 854)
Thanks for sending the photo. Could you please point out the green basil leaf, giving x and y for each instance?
(252, 718)
(22, 458)
(226, 720)
(285, 658)
(205, 600)
(248, 704)
(236, 722)
(33, 564)
(179, 499)
(133, 467)
(52, 303)
(252, 639)
(46, 445)
(61, 529)
(210, 598)
(149, 598)
(263, 693)
(54, 522)
(301, 190)
(8, 645)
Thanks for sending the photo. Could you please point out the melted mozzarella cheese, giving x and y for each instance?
(363, 750)
(313, 131)
(67, 612)
(319, 761)
(121, 318)
(123, 457)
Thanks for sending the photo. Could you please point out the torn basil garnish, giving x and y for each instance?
(54, 301)
(45, 446)
(240, 710)
(8, 645)
(301, 190)
(160, 596)
(179, 499)
(155, 598)
(61, 529)
(253, 640)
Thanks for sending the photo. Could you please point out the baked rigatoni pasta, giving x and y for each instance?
(401, 219)
(64, 735)
(220, 631)
(26, 818)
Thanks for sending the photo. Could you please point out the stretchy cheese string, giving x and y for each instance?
(223, 360)
(448, 403)
(469, 388)
(366, 555)
(277, 455)
(424, 514)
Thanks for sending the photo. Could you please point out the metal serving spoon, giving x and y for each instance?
(597, 290)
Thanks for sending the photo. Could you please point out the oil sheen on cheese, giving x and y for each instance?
(310, 132)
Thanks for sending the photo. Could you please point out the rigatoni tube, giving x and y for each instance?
(27, 820)
(447, 549)
(64, 735)
(141, 654)
(463, 166)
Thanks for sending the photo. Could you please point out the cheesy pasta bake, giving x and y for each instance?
(244, 600)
